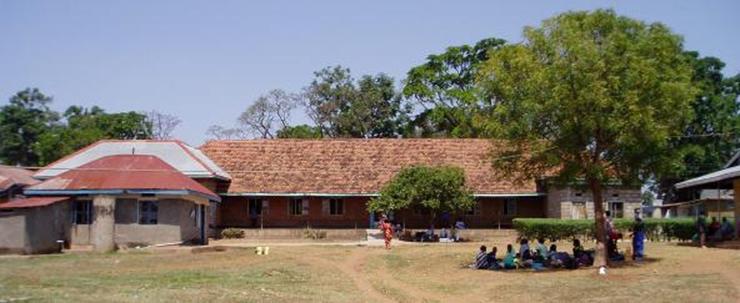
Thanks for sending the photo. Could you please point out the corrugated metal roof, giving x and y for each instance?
(14, 176)
(31, 202)
(720, 175)
(179, 155)
(121, 174)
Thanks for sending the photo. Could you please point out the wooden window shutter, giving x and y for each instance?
(325, 206)
(305, 207)
(265, 207)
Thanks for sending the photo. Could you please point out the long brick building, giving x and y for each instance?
(327, 183)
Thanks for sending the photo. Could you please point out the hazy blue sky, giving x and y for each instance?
(205, 61)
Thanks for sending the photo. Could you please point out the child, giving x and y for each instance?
(638, 239)
(481, 259)
(492, 262)
(510, 258)
(580, 255)
(525, 255)
(541, 248)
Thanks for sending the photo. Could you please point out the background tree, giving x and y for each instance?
(711, 138)
(445, 88)
(162, 125)
(369, 108)
(302, 131)
(590, 96)
(22, 122)
(262, 119)
(436, 189)
(83, 126)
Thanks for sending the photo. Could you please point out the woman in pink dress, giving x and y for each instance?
(387, 228)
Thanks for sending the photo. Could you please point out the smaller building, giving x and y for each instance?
(33, 225)
(13, 180)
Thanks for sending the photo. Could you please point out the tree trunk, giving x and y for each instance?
(600, 259)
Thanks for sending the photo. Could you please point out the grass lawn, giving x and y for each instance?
(433, 273)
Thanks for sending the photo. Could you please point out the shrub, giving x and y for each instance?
(557, 229)
(232, 233)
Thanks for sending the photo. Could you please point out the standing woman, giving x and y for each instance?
(638, 239)
(387, 229)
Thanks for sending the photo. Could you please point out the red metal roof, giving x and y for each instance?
(31, 202)
(11, 176)
(122, 172)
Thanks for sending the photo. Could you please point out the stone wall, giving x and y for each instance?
(571, 203)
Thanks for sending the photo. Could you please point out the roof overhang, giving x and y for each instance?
(315, 194)
(719, 176)
(154, 192)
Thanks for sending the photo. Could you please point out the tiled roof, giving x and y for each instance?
(12, 176)
(179, 155)
(31, 202)
(351, 166)
(121, 174)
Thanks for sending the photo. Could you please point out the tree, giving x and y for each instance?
(710, 139)
(302, 131)
(445, 87)
(436, 189)
(341, 107)
(162, 125)
(589, 96)
(22, 122)
(84, 126)
(219, 132)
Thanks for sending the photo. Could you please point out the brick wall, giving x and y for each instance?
(234, 212)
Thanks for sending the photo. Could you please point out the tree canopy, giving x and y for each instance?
(343, 107)
(445, 88)
(711, 138)
(302, 131)
(437, 189)
(590, 96)
(22, 123)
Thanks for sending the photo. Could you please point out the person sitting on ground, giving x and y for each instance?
(459, 225)
(492, 262)
(580, 255)
(429, 235)
(525, 254)
(510, 258)
(558, 259)
(481, 259)
(541, 248)
(713, 228)
(727, 231)
(444, 234)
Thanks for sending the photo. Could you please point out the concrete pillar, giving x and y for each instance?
(103, 227)
(736, 189)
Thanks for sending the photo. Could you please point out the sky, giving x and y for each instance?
(206, 61)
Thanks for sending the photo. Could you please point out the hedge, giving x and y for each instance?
(682, 229)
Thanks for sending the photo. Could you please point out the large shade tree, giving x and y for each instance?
(434, 189)
(444, 87)
(590, 97)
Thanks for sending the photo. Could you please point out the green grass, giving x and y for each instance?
(433, 273)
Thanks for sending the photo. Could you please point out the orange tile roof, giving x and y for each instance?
(351, 166)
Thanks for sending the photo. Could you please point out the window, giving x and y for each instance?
(82, 212)
(298, 207)
(617, 209)
(254, 207)
(148, 212)
(510, 207)
(475, 210)
(336, 207)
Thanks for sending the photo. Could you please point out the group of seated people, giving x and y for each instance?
(720, 232)
(538, 258)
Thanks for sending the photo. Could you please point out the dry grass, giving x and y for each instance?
(433, 273)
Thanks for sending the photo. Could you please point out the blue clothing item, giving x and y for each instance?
(481, 260)
(638, 244)
(524, 252)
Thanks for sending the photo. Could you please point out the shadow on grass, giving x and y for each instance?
(613, 264)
